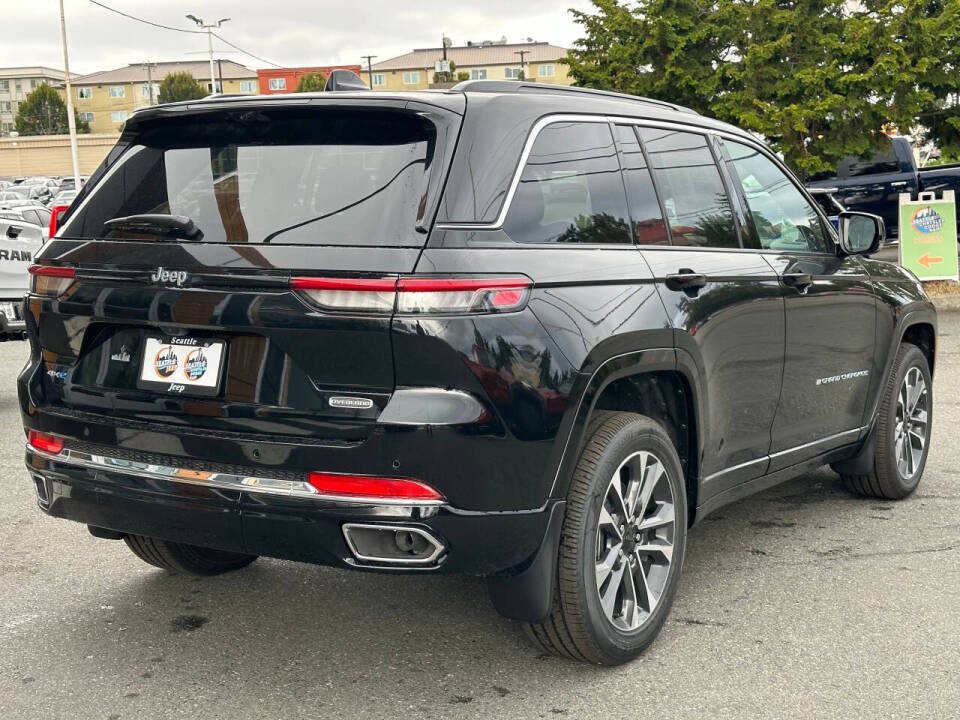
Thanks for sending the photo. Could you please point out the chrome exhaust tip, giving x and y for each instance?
(43, 496)
(392, 545)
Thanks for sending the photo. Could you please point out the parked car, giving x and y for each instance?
(19, 243)
(64, 197)
(443, 359)
(874, 184)
(30, 213)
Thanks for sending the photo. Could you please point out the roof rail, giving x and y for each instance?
(508, 86)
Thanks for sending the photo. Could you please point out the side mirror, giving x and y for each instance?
(860, 233)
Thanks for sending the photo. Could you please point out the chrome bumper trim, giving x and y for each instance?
(225, 481)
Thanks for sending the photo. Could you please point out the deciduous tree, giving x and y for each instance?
(180, 86)
(45, 113)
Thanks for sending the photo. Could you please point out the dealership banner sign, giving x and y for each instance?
(928, 236)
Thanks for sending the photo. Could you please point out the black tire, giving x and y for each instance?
(188, 559)
(578, 627)
(885, 479)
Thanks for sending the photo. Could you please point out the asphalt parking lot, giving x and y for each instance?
(803, 601)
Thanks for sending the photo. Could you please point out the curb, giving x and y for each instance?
(948, 303)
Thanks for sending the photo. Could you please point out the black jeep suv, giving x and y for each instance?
(529, 333)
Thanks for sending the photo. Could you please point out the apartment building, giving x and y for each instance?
(106, 99)
(538, 61)
(15, 84)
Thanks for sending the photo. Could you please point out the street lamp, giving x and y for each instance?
(209, 29)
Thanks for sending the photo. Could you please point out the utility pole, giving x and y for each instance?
(220, 72)
(71, 123)
(369, 58)
(522, 54)
(209, 29)
(149, 66)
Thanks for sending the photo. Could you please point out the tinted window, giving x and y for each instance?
(570, 190)
(648, 223)
(783, 218)
(880, 161)
(692, 191)
(325, 177)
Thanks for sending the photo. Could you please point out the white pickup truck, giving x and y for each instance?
(19, 243)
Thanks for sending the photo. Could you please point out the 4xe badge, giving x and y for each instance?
(176, 277)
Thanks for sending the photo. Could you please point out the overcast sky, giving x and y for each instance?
(288, 32)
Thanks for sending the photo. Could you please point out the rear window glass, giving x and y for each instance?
(880, 161)
(305, 176)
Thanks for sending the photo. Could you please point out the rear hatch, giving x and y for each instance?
(231, 319)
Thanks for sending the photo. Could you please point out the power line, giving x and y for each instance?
(247, 52)
(146, 22)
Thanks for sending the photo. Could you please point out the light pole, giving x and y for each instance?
(209, 29)
(71, 123)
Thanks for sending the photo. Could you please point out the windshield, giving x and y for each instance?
(305, 176)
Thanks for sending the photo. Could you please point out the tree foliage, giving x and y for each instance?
(45, 113)
(819, 79)
(180, 86)
(311, 82)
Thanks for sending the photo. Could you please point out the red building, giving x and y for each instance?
(284, 80)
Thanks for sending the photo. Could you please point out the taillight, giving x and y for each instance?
(375, 488)
(417, 294)
(49, 280)
(461, 295)
(48, 443)
(349, 294)
(55, 213)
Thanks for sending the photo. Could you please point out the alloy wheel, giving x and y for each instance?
(912, 424)
(635, 535)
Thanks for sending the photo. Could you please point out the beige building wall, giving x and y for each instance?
(553, 73)
(50, 154)
(107, 107)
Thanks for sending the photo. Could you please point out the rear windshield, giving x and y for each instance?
(284, 176)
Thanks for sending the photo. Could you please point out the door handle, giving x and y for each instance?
(798, 280)
(685, 279)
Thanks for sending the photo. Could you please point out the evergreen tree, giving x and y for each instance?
(180, 86)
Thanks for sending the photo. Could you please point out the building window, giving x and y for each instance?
(117, 91)
(248, 86)
(84, 93)
(145, 90)
(411, 78)
(118, 116)
(5, 85)
(546, 71)
(278, 83)
(379, 79)
(5, 106)
(86, 116)
(478, 74)
(512, 73)
(219, 88)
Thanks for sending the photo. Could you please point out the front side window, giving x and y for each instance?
(570, 190)
(117, 91)
(278, 83)
(84, 93)
(782, 217)
(691, 188)
(478, 74)
(648, 223)
(379, 79)
(411, 78)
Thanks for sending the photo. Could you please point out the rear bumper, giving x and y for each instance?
(138, 498)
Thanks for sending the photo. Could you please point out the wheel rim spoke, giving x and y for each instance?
(661, 518)
(913, 423)
(605, 566)
(661, 554)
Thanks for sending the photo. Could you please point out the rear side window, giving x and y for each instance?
(880, 161)
(648, 223)
(694, 197)
(301, 176)
(570, 190)
(783, 218)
